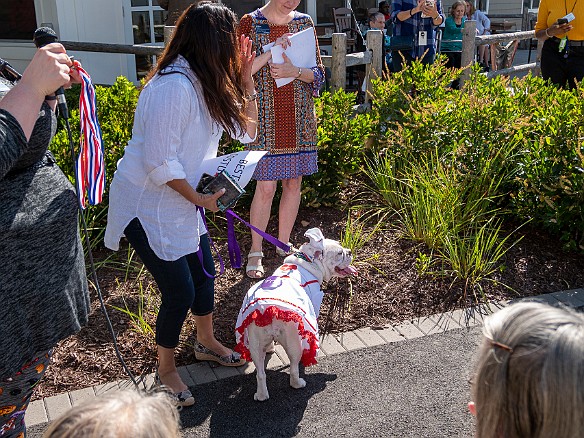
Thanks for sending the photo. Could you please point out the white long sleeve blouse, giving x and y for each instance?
(173, 133)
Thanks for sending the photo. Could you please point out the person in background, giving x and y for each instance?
(483, 28)
(529, 377)
(452, 36)
(384, 8)
(287, 121)
(182, 112)
(374, 22)
(175, 8)
(377, 22)
(415, 23)
(43, 284)
(120, 414)
(562, 55)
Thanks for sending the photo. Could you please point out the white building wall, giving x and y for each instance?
(80, 20)
(98, 22)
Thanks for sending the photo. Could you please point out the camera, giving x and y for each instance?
(566, 19)
(428, 3)
(212, 183)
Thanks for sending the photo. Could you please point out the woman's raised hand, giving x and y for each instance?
(247, 58)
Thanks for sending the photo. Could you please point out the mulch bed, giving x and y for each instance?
(387, 290)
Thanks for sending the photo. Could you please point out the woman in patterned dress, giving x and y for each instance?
(287, 122)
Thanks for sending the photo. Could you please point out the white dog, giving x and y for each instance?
(284, 307)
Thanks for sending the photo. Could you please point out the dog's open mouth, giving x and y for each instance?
(349, 270)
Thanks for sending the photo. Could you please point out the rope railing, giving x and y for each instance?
(470, 42)
(340, 59)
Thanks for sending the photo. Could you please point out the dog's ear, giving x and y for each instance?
(316, 242)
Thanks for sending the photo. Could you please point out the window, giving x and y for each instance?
(17, 20)
(147, 28)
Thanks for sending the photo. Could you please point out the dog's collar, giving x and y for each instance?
(302, 256)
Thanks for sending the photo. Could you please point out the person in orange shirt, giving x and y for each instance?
(562, 56)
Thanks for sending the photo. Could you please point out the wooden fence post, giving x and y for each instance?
(468, 49)
(537, 70)
(375, 45)
(168, 31)
(339, 61)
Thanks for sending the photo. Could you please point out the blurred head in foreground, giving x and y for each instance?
(120, 414)
(529, 380)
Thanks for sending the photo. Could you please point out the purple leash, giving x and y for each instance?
(232, 245)
(211, 243)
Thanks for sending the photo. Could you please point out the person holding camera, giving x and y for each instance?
(561, 27)
(201, 87)
(414, 31)
(43, 284)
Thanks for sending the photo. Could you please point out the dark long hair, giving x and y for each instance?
(205, 36)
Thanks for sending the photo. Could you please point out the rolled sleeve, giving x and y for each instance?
(168, 171)
(170, 102)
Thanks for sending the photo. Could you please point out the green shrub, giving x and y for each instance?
(115, 111)
(550, 179)
(342, 136)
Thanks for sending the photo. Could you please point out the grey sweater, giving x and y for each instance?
(43, 287)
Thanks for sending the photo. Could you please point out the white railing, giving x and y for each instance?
(470, 42)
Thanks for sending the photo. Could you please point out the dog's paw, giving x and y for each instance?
(297, 384)
(258, 396)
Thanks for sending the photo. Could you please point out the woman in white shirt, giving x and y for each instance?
(201, 86)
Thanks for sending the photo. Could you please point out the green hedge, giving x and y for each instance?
(528, 133)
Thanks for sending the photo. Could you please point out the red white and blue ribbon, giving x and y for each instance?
(90, 166)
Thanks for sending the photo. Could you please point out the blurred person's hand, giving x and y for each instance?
(49, 69)
(559, 29)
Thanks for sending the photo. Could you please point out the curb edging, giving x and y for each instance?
(50, 408)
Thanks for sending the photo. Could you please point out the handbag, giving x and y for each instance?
(401, 42)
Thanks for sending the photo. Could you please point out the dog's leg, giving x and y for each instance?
(257, 341)
(293, 346)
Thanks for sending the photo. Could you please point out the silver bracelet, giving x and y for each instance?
(251, 97)
(547, 34)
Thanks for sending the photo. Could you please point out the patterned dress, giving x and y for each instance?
(287, 122)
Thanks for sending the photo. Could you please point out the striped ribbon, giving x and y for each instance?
(90, 166)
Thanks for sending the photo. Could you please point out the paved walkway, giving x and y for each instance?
(408, 379)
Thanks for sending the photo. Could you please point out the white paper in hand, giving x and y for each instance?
(239, 165)
(301, 52)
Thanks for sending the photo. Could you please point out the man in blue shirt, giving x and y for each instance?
(415, 23)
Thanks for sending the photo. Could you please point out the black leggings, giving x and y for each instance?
(182, 283)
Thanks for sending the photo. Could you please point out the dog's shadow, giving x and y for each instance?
(233, 412)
